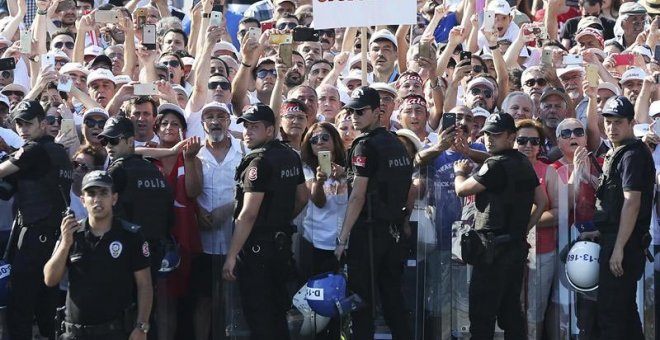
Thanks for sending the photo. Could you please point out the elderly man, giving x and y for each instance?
(555, 106)
(632, 17)
(480, 92)
(383, 54)
(571, 79)
(534, 82)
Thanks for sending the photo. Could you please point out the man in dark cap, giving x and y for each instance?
(506, 188)
(624, 203)
(38, 175)
(270, 192)
(145, 198)
(380, 175)
(121, 260)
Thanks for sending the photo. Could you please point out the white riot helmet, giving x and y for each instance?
(582, 266)
(312, 322)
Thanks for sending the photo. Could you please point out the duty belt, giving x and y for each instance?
(74, 329)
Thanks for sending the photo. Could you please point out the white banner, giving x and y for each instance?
(361, 13)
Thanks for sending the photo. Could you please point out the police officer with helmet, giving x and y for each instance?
(624, 200)
(380, 175)
(106, 259)
(270, 192)
(507, 190)
(145, 198)
(38, 175)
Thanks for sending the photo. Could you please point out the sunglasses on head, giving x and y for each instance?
(261, 74)
(324, 137)
(60, 44)
(524, 140)
(80, 166)
(112, 141)
(91, 123)
(285, 25)
(50, 120)
(173, 63)
(534, 81)
(477, 91)
(223, 85)
(566, 133)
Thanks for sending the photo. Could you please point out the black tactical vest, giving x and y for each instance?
(387, 190)
(45, 198)
(146, 200)
(508, 212)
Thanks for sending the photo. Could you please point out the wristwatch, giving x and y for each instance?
(143, 327)
(340, 242)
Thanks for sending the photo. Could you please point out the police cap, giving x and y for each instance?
(364, 97)
(117, 127)
(28, 110)
(618, 106)
(257, 113)
(498, 123)
(97, 178)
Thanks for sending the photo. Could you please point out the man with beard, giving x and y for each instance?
(317, 72)
(571, 78)
(311, 51)
(480, 92)
(327, 40)
(632, 18)
(553, 109)
(631, 83)
(383, 55)
(63, 40)
(329, 103)
(66, 10)
(101, 86)
(295, 75)
(142, 112)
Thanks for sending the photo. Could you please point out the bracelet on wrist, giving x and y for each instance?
(494, 47)
(339, 242)
(459, 173)
(246, 65)
(42, 11)
(206, 15)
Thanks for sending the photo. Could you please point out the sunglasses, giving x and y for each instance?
(566, 133)
(285, 25)
(13, 93)
(524, 140)
(50, 120)
(112, 141)
(223, 85)
(486, 92)
(534, 81)
(91, 123)
(58, 45)
(324, 137)
(173, 63)
(261, 74)
(329, 33)
(357, 112)
(80, 166)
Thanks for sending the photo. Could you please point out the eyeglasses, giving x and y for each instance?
(566, 133)
(118, 55)
(13, 93)
(6, 74)
(534, 81)
(291, 117)
(477, 91)
(329, 33)
(173, 63)
(324, 137)
(80, 166)
(58, 45)
(263, 73)
(91, 123)
(51, 120)
(223, 85)
(112, 141)
(285, 25)
(535, 141)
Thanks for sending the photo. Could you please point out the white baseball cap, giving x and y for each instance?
(654, 109)
(609, 86)
(385, 87)
(480, 112)
(215, 105)
(384, 34)
(634, 73)
(93, 50)
(100, 73)
(499, 7)
(74, 67)
(226, 46)
(96, 111)
(569, 69)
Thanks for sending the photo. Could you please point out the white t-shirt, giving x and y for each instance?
(218, 190)
(155, 140)
(655, 222)
(321, 226)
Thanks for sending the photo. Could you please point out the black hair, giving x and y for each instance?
(321, 61)
(144, 99)
(181, 32)
(247, 20)
(264, 62)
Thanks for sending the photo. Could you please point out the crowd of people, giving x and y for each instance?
(154, 157)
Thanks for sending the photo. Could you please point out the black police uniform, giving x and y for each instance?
(42, 188)
(501, 219)
(628, 167)
(146, 199)
(101, 273)
(275, 170)
(379, 156)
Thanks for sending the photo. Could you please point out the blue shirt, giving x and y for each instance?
(445, 25)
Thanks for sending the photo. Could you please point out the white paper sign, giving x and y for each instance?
(361, 13)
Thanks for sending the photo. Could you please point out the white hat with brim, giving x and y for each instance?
(411, 137)
(385, 87)
(569, 69)
(634, 73)
(100, 74)
(384, 35)
(74, 67)
(609, 86)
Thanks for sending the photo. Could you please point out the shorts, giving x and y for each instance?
(206, 272)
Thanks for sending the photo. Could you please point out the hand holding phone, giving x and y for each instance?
(216, 19)
(64, 83)
(489, 21)
(624, 59)
(592, 75)
(149, 36)
(448, 120)
(254, 33)
(145, 90)
(325, 162)
(286, 54)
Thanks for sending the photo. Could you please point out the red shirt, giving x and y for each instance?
(561, 18)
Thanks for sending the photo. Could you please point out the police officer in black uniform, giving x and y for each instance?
(623, 214)
(379, 175)
(39, 174)
(269, 193)
(106, 259)
(506, 188)
(145, 198)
